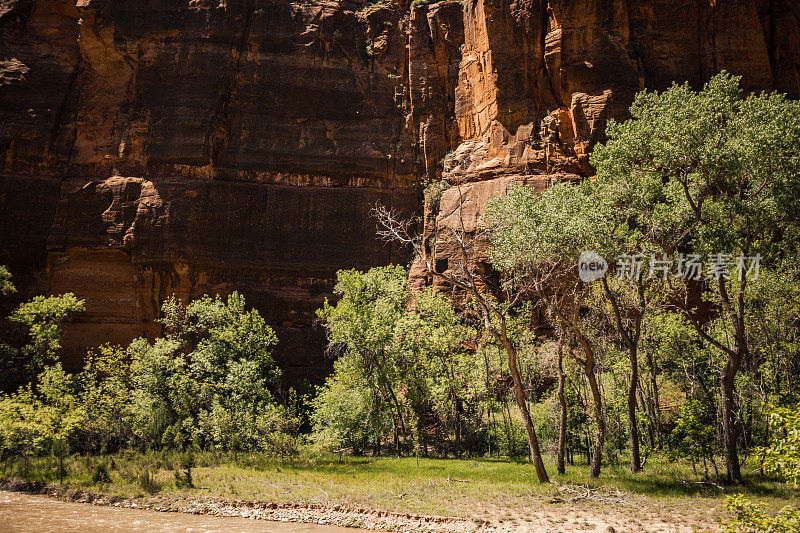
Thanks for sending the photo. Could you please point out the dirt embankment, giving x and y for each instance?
(563, 517)
(280, 512)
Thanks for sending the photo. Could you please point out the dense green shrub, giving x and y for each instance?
(782, 457)
(753, 518)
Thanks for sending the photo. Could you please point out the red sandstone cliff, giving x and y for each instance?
(193, 146)
(563, 68)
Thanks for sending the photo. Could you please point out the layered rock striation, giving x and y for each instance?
(191, 147)
(539, 80)
(204, 146)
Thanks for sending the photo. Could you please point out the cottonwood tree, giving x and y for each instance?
(364, 320)
(43, 316)
(207, 381)
(402, 356)
(625, 301)
(442, 375)
(536, 241)
(495, 312)
(715, 174)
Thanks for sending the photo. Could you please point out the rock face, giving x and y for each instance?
(152, 148)
(539, 80)
(204, 146)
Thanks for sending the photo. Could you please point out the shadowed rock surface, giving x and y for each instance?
(204, 146)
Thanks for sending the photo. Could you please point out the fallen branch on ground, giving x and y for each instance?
(711, 483)
(605, 493)
(453, 480)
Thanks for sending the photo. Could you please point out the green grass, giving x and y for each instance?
(468, 488)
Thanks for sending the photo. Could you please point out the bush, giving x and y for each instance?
(753, 518)
(101, 474)
(184, 479)
(346, 414)
(433, 193)
(6, 285)
(694, 435)
(782, 458)
(148, 484)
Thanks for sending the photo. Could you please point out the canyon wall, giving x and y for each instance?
(538, 81)
(186, 147)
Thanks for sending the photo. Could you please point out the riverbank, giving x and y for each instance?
(390, 494)
(551, 520)
(336, 515)
(33, 513)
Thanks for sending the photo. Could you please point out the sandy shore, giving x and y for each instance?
(279, 512)
(549, 518)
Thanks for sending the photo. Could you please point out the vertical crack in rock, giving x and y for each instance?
(218, 137)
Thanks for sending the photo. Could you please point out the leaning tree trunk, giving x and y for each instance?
(600, 434)
(597, 400)
(562, 402)
(519, 393)
(636, 461)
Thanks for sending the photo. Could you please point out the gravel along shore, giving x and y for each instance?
(279, 512)
(548, 518)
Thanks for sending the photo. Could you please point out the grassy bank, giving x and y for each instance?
(493, 490)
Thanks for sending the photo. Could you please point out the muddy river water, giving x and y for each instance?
(41, 514)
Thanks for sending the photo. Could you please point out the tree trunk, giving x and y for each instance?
(636, 461)
(562, 402)
(457, 427)
(600, 434)
(631, 341)
(597, 400)
(728, 379)
(655, 400)
(728, 430)
(519, 393)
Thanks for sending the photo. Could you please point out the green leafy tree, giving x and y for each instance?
(208, 381)
(710, 172)
(105, 391)
(44, 315)
(346, 413)
(403, 357)
(6, 285)
(363, 321)
(773, 305)
(496, 309)
(442, 376)
(782, 457)
(157, 370)
(25, 425)
(35, 422)
(536, 240)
